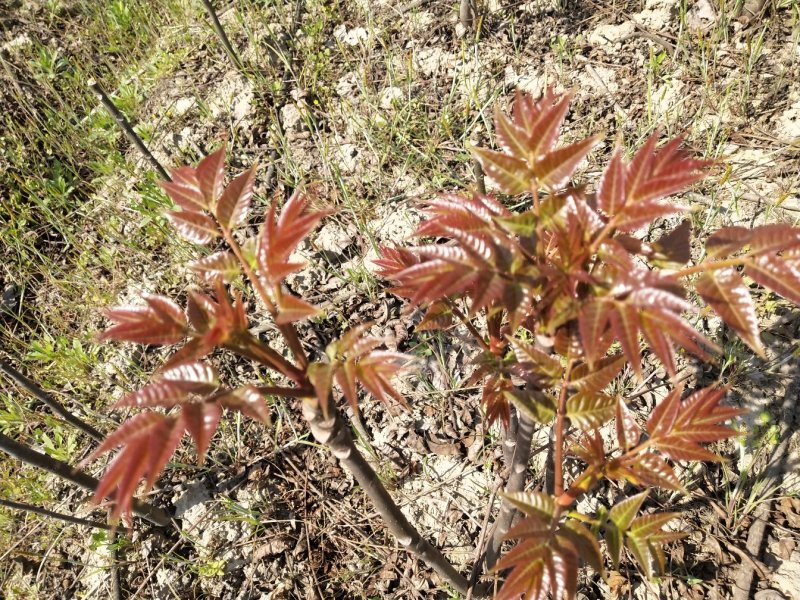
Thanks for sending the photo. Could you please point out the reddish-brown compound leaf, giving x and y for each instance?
(439, 315)
(619, 519)
(623, 513)
(592, 324)
(537, 405)
(584, 379)
(511, 174)
(628, 431)
(345, 377)
(201, 311)
(554, 169)
(375, 370)
(650, 177)
(544, 132)
(184, 190)
(201, 420)
(147, 440)
(195, 377)
(539, 364)
(512, 139)
(534, 504)
(585, 542)
(611, 190)
(198, 347)
(248, 401)
(589, 447)
(645, 537)
(664, 414)
(545, 561)
(590, 410)
(321, 377)
(232, 207)
(494, 401)
(777, 274)
(193, 226)
(280, 236)
(291, 309)
(161, 322)
(165, 394)
(678, 428)
(725, 291)
(210, 174)
(220, 264)
(763, 239)
(644, 470)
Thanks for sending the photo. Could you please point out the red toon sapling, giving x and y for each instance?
(558, 296)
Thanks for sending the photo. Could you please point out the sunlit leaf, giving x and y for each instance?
(588, 410)
(201, 420)
(248, 401)
(291, 309)
(210, 174)
(725, 291)
(193, 226)
(512, 175)
(779, 275)
(161, 322)
(585, 379)
(628, 431)
(554, 169)
(539, 364)
(184, 190)
(220, 264)
(233, 204)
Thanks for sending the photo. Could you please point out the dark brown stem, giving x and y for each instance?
(49, 401)
(251, 347)
(558, 442)
(516, 483)
(65, 471)
(126, 128)
(52, 514)
(275, 390)
(549, 484)
(223, 37)
(291, 337)
(335, 434)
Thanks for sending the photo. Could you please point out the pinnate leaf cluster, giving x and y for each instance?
(561, 296)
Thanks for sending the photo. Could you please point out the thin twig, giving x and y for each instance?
(65, 471)
(320, 595)
(52, 514)
(477, 567)
(49, 401)
(223, 37)
(116, 587)
(126, 128)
